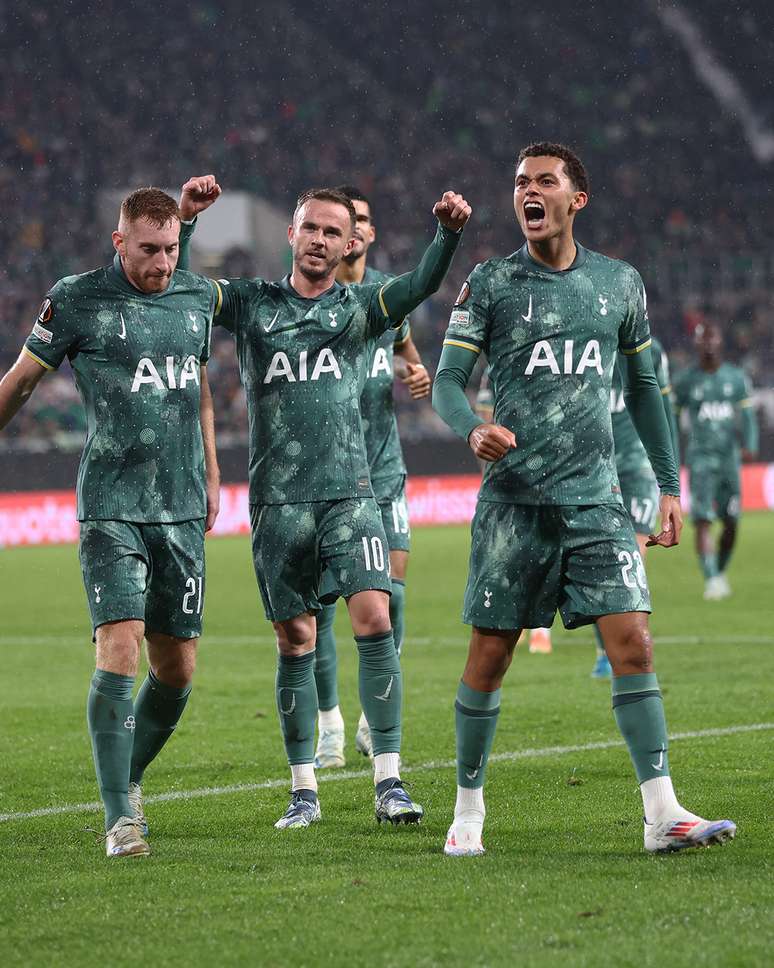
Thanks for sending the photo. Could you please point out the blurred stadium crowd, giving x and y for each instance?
(276, 98)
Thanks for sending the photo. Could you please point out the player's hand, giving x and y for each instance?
(671, 523)
(197, 195)
(490, 441)
(213, 503)
(452, 211)
(418, 381)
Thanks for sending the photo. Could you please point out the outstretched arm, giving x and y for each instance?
(646, 408)
(488, 441)
(17, 385)
(401, 295)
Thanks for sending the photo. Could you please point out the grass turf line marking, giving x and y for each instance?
(461, 640)
(342, 775)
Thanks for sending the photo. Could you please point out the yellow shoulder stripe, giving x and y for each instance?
(381, 301)
(637, 349)
(219, 300)
(46, 366)
(465, 346)
(404, 339)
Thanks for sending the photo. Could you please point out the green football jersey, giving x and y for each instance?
(713, 402)
(136, 359)
(303, 366)
(630, 456)
(377, 404)
(552, 340)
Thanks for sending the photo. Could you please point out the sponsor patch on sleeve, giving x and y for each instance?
(44, 313)
(460, 318)
(45, 335)
(464, 293)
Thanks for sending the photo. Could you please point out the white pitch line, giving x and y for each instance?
(342, 775)
(461, 640)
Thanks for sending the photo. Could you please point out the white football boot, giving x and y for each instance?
(677, 833)
(330, 749)
(464, 836)
(135, 802)
(125, 839)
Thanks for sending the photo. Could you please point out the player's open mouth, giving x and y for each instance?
(534, 213)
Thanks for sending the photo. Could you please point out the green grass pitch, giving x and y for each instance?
(565, 880)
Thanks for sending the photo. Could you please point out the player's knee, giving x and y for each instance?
(370, 613)
(635, 650)
(296, 636)
(177, 668)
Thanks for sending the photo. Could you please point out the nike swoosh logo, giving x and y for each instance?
(660, 764)
(528, 317)
(474, 774)
(267, 328)
(387, 691)
(287, 712)
(122, 334)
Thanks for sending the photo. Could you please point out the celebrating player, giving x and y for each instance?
(639, 488)
(303, 345)
(716, 397)
(137, 335)
(395, 351)
(550, 530)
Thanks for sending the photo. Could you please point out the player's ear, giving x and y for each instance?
(118, 240)
(348, 247)
(290, 235)
(580, 200)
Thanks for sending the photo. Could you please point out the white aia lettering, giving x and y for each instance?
(544, 356)
(147, 372)
(716, 410)
(381, 363)
(281, 368)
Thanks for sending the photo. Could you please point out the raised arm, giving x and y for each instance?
(207, 418)
(196, 195)
(401, 295)
(17, 385)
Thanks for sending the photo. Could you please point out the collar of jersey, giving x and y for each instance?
(119, 278)
(526, 258)
(285, 284)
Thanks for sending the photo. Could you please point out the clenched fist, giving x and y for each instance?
(491, 441)
(198, 194)
(452, 211)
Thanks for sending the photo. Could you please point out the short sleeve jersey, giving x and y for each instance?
(630, 455)
(136, 358)
(552, 339)
(713, 402)
(377, 404)
(303, 366)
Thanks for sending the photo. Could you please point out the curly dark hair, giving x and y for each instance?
(574, 167)
(327, 195)
(152, 204)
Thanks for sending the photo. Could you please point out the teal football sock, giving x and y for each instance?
(639, 713)
(397, 609)
(110, 716)
(381, 690)
(297, 706)
(325, 662)
(709, 565)
(476, 720)
(157, 711)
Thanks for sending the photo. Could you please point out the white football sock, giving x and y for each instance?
(362, 723)
(659, 800)
(386, 765)
(303, 777)
(330, 719)
(470, 803)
